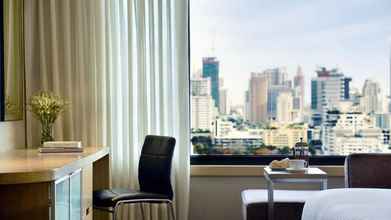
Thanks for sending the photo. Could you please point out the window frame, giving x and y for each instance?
(325, 160)
(2, 77)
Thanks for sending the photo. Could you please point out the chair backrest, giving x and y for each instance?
(368, 171)
(154, 171)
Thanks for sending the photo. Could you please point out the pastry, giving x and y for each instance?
(280, 164)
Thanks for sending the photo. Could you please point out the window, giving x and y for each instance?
(268, 74)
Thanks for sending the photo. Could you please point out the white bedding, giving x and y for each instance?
(349, 204)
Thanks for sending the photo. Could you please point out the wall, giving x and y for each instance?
(218, 198)
(12, 135)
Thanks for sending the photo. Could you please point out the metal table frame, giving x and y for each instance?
(270, 187)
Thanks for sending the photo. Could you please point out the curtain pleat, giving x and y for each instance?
(179, 44)
(61, 56)
(123, 65)
(68, 70)
(13, 58)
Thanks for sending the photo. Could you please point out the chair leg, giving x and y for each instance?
(142, 211)
(172, 211)
(115, 212)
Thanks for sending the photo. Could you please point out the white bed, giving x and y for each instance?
(349, 204)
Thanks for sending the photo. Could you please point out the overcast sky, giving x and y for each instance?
(252, 35)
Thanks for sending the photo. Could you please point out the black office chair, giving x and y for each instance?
(154, 174)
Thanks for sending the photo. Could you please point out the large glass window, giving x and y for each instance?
(268, 74)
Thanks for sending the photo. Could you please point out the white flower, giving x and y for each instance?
(46, 106)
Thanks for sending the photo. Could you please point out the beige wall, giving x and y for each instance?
(12, 135)
(218, 198)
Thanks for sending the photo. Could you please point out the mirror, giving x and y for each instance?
(12, 61)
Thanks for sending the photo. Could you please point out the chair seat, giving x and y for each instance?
(109, 197)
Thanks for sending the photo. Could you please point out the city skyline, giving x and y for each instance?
(340, 123)
(333, 41)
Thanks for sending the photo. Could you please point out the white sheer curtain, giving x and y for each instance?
(123, 64)
(149, 41)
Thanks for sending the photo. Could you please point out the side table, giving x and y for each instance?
(310, 175)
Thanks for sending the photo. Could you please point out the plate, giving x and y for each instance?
(278, 169)
(289, 169)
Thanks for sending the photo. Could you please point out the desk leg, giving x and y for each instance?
(101, 180)
(270, 191)
(324, 184)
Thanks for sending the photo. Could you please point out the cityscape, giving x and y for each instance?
(266, 75)
(340, 119)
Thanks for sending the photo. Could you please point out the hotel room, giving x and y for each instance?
(195, 110)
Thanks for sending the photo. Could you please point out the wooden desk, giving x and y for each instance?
(52, 186)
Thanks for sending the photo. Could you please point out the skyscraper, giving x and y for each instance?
(277, 83)
(200, 86)
(224, 102)
(328, 89)
(284, 107)
(202, 112)
(298, 84)
(247, 108)
(224, 107)
(276, 76)
(273, 93)
(370, 100)
(202, 107)
(258, 98)
(210, 68)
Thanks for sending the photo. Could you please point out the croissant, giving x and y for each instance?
(278, 164)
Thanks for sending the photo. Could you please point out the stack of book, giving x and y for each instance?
(61, 147)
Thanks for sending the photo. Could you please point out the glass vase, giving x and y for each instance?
(46, 132)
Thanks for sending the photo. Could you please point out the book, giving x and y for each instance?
(62, 144)
(60, 150)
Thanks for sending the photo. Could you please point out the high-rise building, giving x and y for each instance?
(200, 86)
(224, 107)
(347, 131)
(247, 108)
(328, 89)
(297, 103)
(354, 132)
(202, 106)
(383, 120)
(298, 85)
(210, 68)
(278, 83)
(258, 98)
(202, 112)
(370, 101)
(276, 76)
(273, 92)
(284, 107)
